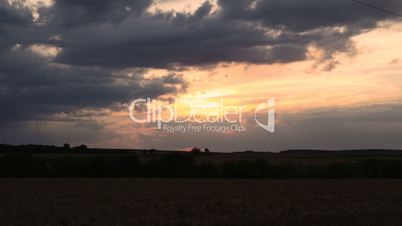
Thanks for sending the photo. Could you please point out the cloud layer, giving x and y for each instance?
(94, 54)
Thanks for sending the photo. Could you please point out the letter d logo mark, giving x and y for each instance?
(270, 106)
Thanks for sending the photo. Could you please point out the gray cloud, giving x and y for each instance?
(120, 34)
(10, 15)
(272, 32)
(70, 13)
(32, 88)
(296, 15)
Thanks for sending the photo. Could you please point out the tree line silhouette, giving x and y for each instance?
(184, 165)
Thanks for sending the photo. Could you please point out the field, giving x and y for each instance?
(72, 201)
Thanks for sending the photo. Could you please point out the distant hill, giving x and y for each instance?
(5, 148)
(359, 152)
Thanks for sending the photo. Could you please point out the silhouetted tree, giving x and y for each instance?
(82, 147)
(206, 150)
(66, 147)
(195, 150)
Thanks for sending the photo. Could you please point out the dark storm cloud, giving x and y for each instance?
(33, 88)
(261, 32)
(10, 15)
(79, 12)
(181, 41)
(161, 42)
(302, 15)
(12, 18)
(121, 33)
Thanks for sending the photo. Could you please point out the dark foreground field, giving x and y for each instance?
(199, 202)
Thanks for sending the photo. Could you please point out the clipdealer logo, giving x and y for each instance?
(200, 116)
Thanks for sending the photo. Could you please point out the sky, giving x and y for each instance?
(69, 70)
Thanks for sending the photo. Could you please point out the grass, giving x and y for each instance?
(70, 201)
